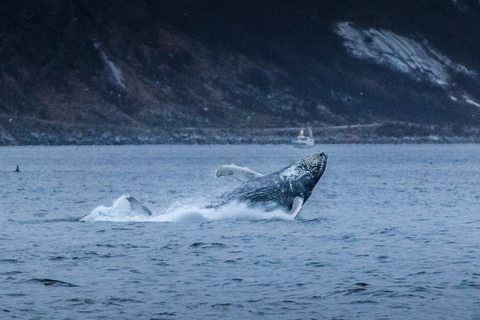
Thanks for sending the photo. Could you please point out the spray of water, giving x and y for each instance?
(121, 211)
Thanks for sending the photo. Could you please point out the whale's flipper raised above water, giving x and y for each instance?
(296, 207)
(139, 208)
(240, 173)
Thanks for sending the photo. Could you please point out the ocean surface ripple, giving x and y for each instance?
(390, 232)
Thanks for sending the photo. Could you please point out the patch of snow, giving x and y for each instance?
(470, 101)
(116, 72)
(460, 5)
(419, 60)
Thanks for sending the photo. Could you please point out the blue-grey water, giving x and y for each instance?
(390, 232)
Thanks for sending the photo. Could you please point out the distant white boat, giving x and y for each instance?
(303, 141)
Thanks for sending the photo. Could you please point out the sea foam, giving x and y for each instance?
(121, 211)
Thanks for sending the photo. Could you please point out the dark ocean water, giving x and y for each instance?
(390, 232)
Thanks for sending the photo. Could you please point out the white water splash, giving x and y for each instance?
(121, 211)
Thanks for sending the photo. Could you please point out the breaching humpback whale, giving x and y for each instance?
(287, 189)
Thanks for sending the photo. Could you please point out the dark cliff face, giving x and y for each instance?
(132, 67)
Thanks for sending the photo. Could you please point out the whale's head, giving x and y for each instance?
(313, 165)
(304, 174)
(310, 167)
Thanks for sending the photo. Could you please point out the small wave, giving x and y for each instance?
(121, 211)
(208, 245)
(10, 261)
(69, 219)
(52, 282)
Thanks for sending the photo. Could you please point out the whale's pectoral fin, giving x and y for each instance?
(139, 208)
(296, 207)
(240, 173)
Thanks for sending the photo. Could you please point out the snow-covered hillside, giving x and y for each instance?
(415, 58)
(170, 71)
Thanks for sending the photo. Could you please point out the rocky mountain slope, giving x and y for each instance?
(190, 71)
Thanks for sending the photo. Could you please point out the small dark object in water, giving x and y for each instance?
(18, 169)
(361, 284)
(53, 282)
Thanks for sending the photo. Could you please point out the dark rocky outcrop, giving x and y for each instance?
(190, 71)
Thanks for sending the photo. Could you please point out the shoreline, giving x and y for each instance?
(122, 140)
(31, 132)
